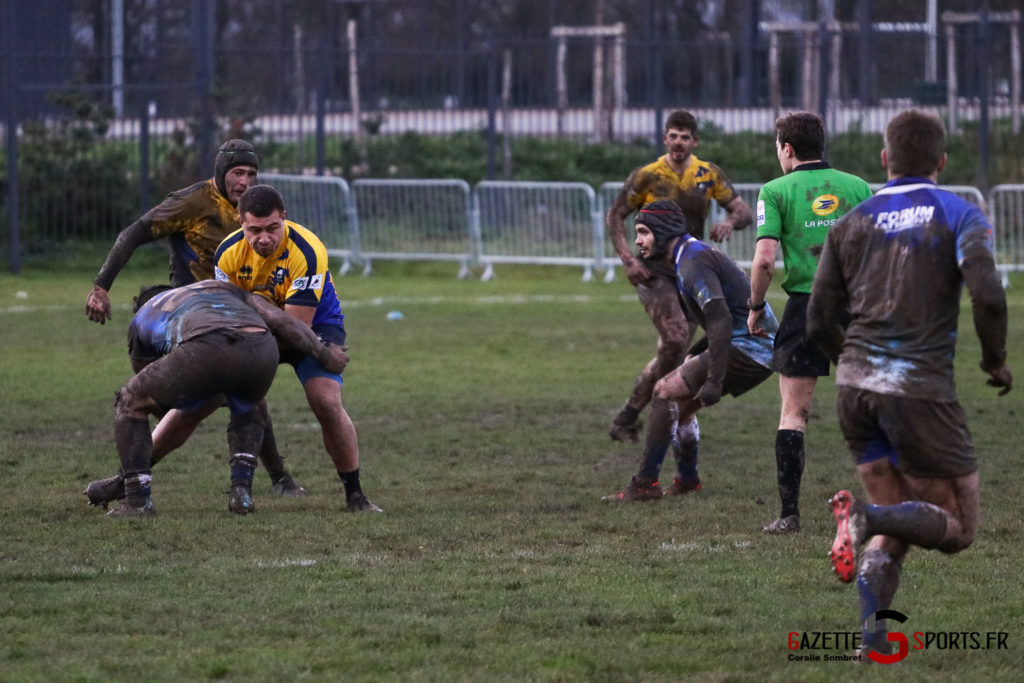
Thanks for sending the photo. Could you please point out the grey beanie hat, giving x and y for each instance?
(233, 153)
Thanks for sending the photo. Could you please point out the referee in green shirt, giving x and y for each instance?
(796, 212)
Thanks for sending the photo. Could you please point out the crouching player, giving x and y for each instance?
(194, 346)
(713, 291)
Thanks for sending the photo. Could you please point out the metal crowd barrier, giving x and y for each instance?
(538, 222)
(552, 223)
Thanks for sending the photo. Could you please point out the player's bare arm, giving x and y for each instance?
(761, 271)
(738, 217)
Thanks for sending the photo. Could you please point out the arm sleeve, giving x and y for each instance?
(768, 220)
(311, 266)
(129, 239)
(828, 299)
(988, 300)
(719, 332)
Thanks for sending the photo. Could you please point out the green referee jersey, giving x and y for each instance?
(798, 209)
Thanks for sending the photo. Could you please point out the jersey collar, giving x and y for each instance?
(905, 184)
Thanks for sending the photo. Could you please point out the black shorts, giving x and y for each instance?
(796, 355)
(240, 365)
(920, 437)
(742, 373)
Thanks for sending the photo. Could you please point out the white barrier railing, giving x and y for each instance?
(414, 220)
(538, 222)
(551, 223)
(1006, 206)
(324, 205)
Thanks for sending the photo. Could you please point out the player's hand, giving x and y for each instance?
(333, 358)
(1001, 377)
(753, 318)
(97, 306)
(636, 272)
(720, 231)
(710, 393)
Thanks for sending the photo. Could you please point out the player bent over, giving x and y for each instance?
(193, 221)
(195, 346)
(900, 260)
(713, 291)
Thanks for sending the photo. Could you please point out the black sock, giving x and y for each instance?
(789, 463)
(350, 480)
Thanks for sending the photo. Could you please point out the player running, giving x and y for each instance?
(899, 261)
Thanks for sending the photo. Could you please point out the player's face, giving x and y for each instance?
(644, 241)
(679, 143)
(237, 180)
(785, 156)
(263, 234)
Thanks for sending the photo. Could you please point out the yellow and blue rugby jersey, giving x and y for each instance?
(296, 273)
(692, 190)
(195, 220)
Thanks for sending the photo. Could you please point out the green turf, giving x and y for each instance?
(482, 417)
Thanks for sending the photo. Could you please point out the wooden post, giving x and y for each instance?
(774, 86)
(1015, 69)
(561, 84)
(353, 91)
(506, 119)
(951, 81)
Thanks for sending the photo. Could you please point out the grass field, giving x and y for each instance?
(482, 416)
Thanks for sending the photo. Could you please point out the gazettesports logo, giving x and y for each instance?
(813, 646)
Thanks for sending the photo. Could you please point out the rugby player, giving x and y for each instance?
(899, 261)
(194, 346)
(713, 291)
(692, 183)
(287, 264)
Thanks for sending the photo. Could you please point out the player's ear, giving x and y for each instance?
(885, 159)
(941, 165)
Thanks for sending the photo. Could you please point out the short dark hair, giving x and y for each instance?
(682, 120)
(805, 133)
(260, 201)
(147, 293)
(914, 143)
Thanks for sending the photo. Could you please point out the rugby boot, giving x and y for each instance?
(626, 427)
(783, 525)
(104, 491)
(287, 487)
(682, 486)
(358, 502)
(638, 489)
(126, 509)
(850, 522)
(240, 500)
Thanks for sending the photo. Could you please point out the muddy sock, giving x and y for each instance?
(685, 445)
(878, 576)
(915, 522)
(242, 467)
(660, 429)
